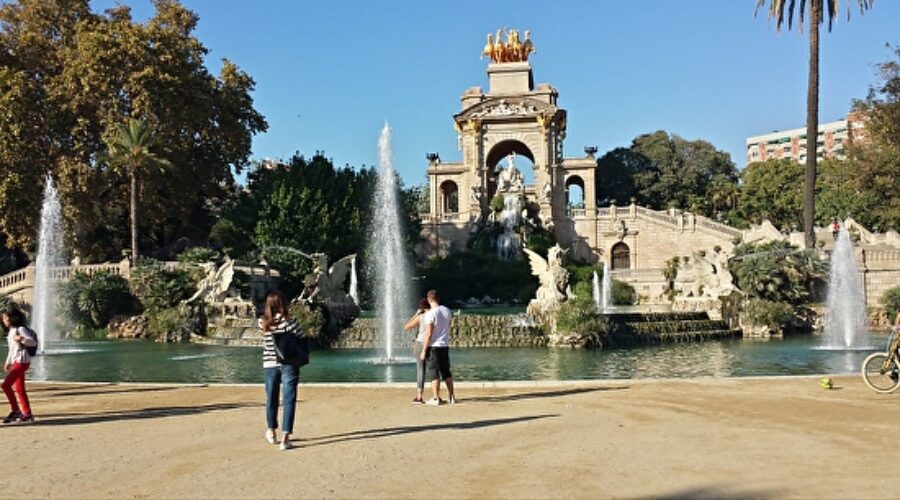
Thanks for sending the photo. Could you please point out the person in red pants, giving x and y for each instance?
(17, 362)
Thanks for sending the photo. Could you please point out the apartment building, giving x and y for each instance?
(832, 139)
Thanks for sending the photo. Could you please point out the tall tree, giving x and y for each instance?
(777, 11)
(130, 150)
(680, 171)
(67, 75)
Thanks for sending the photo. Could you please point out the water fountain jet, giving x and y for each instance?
(49, 256)
(387, 248)
(845, 313)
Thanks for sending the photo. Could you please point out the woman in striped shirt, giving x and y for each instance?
(276, 320)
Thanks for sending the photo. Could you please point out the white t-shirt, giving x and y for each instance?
(439, 317)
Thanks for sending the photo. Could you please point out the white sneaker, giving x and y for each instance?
(434, 402)
(270, 436)
(286, 445)
(452, 400)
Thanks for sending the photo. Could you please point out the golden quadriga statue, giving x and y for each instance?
(511, 51)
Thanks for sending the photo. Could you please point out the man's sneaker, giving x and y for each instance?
(417, 401)
(270, 436)
(434, 402)
(286, 445)
(26, 419)
(12, 417)
(452, 400)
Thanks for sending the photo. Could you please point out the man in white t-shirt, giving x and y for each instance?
(437, 355)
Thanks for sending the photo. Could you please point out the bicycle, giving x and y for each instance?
(881, 370)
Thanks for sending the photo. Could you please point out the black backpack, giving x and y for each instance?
(32, 350)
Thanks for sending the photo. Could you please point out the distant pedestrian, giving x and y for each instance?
(437, 355)
(418, 347)
(835, 228)
(18, 359)
(277, 320)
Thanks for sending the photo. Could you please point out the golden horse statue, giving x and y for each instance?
(488, 48)
(527, 46)
(499, 48)
(513, 50)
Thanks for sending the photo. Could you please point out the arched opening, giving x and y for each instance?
(574, 193)
(498, 159)
(449, 197)
(621, 257)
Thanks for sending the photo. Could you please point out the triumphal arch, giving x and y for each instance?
(514, 117)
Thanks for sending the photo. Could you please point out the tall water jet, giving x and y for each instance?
(49, 256)
(387, 250)
(511, 186)
(845, 313)
(595, 285)
(607, 288)
(509, 242)
(354, 286)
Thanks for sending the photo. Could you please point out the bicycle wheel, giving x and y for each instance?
(876, 377)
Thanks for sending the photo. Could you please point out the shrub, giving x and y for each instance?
(579, 315)
(161, 322)
(462, 275)
(540, 240)
(92, 300)
(198, 255)
(579, 273)
(158, 288)
(777, 271)
(623, 294)
(311, 319)
(891, 302)
(769, 313)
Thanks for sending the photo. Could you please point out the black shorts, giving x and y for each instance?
(438, 363)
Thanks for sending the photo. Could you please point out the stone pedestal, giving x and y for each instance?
(510, 78)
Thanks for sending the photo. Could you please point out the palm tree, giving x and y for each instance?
(129, 151)
(777, 10)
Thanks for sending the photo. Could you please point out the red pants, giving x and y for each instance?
(15, 379)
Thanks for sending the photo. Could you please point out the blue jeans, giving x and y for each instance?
(274, 377)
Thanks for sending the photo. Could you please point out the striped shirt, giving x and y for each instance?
(270, 357)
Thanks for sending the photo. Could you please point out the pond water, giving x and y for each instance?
(121, 361)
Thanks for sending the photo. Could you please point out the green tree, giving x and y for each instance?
(307, 205)
(618, 170)
(817, 8)
(772, 190)
(876, 161)
(92, 300)
(130, 150)
(68, 73)
(682, 171)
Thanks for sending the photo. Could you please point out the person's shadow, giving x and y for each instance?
(410, 429)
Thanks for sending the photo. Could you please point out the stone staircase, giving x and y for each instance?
(634, 328)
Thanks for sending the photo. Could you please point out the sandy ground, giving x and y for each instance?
(718, 438)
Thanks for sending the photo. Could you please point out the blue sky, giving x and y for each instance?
(330, 73)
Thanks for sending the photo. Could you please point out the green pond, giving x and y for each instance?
(123, 361)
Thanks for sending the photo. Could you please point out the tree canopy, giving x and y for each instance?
(308, 205)
(70, 76)
(660, 169)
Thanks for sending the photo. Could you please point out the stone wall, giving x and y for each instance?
(466, 331)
